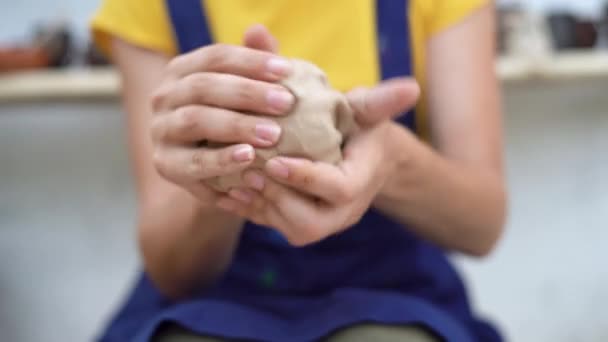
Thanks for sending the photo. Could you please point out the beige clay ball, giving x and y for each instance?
(315, 128)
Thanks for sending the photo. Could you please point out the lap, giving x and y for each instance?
(358, 333)
(381, 333)
(175, 333)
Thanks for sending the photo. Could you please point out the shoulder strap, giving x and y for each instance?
(394, 46)
(189, 24)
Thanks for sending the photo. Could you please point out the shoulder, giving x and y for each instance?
(144, 23)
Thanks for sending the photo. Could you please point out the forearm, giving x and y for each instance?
(455, 205)
(184, 246)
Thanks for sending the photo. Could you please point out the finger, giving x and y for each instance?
(276, 193)
(258, 37)
(268, 214)
(224, 91)
(385, 101)
(302, 220)
(232, 59)
(255, 208)
(362, 160)
(191, 124)
(307, 222)
(288, 202)
(317, 179)
(183, 165)
(245, 196)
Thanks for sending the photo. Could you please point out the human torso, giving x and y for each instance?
(374, 271)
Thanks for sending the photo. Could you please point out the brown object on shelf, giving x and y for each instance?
(315, 128)
(19, 59)
(586, 34)
(57, 41)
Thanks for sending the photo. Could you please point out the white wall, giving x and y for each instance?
(582, 7)
(17, 17)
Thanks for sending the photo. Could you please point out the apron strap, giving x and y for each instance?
(189, 24)
(394, 46)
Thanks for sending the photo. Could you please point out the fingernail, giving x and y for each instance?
(254, 180)
(280, 100)
(278, 67)
(277, 169)
(243, 153)
(240, 195)
(225, 204)
(268, 132)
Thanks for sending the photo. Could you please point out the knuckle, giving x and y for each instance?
(157, 130)
(197, 163)
(198, 83)
(215, 56)
(247, 93)
(158, 98)
(240, 128)
(175, 63)
(186, 120)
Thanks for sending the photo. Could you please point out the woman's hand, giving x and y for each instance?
(308, 201)
(201, 98)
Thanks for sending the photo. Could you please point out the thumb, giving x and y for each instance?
(258, 37)
(384, 101)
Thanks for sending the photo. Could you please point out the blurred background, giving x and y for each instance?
(67, 252)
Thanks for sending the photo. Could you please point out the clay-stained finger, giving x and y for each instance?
(188, 165)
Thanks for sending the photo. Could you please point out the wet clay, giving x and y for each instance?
(315, 128)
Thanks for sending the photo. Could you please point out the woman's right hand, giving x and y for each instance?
(202, 98)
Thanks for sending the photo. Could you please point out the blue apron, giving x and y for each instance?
(376, 271)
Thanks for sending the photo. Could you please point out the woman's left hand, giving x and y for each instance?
(309, 201)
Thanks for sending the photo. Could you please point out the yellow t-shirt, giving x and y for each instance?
(342, 40)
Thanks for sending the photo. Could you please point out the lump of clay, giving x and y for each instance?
(314, 129)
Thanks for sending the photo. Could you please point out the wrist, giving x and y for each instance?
(405, 155)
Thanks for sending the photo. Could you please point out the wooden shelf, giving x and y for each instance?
(569, 64)
(70, 84)
(103, 83)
